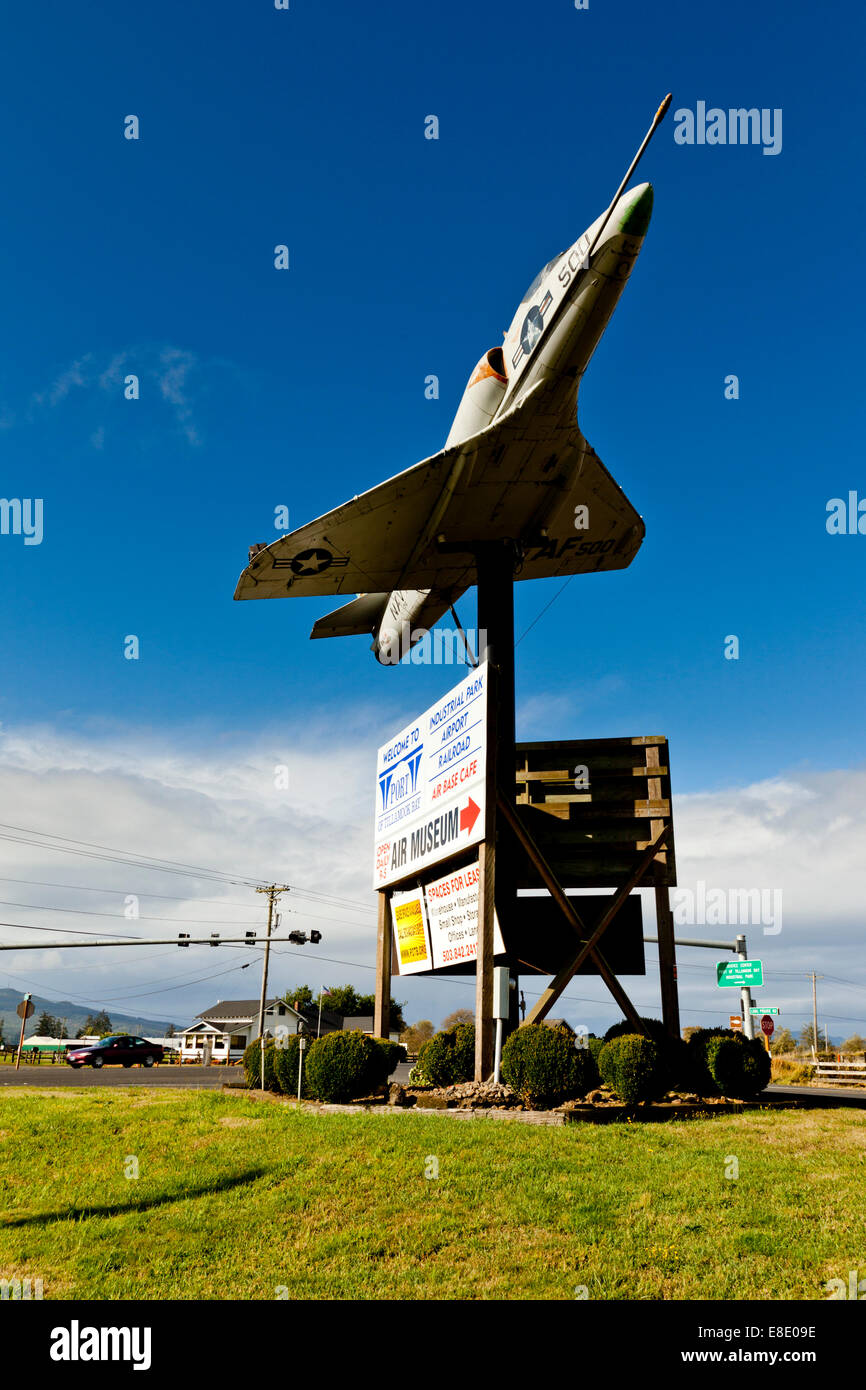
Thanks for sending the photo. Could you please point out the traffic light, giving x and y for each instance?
(251, 937)
(183, 938)
(315, 937)
(214, 938)
(298, 937)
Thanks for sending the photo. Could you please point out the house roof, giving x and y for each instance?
(362, 1021)
(235, 1010)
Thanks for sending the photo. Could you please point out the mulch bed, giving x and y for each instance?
(477, 1101)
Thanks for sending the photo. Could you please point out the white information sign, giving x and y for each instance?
(452, 916)
(430, 784)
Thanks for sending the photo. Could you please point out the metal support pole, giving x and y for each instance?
(497, 886)
(382, 1010)
(25, 1001)
(302, 1042)
(745, 993)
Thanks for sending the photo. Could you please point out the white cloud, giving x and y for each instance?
(170, 370)
(211, 800)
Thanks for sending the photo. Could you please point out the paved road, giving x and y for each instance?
(59, 1074)
(839, 1095)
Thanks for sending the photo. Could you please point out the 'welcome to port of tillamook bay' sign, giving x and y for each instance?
(430, 784)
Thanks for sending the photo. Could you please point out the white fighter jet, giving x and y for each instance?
(515, 466)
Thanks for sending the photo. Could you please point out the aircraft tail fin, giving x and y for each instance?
(354, 619)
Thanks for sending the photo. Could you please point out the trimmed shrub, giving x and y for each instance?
(544, 1066)
(673, 1051)
(702, 1048)
(341, 1066)
(253, 1066)
(633, 1067)
(725, 1063)
(595, 1045)
(286, 1057)
(387, 1056)
(449, 1057)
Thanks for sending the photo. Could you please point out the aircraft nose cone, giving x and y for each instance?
(635, 208)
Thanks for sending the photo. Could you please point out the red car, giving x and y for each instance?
(117, 1049)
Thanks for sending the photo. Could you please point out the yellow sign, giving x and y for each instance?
(410, 931)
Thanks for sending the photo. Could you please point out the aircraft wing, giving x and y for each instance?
(527, 477)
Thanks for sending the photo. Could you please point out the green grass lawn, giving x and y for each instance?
(238, 1199)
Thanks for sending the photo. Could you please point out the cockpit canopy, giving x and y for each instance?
(545, 270)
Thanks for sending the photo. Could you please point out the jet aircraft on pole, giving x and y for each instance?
(515, 466)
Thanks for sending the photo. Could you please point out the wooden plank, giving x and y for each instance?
(558, 984)
(566, 906)
(527, 775)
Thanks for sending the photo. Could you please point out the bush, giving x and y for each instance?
(673, 1051)
(387, 1056)
(595, 1045)
(722, 1062)
(633, 1067)
(286, 1056)
(544, 1066)
(253, 1066)
(449, 1057)
(342, 1066)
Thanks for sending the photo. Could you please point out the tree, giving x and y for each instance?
(301, 997)
(45, 1025)
(95, 1024)
(854, 1044)
(345, 1001)
(807, 1038)
(783, 1041)
(342, 1000)
(169, 1032)
(458, 1016)
(690, 1031)
(414, 1037)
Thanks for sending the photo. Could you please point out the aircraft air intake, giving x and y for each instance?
(481, 399)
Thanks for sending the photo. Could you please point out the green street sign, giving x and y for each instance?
(732, 974)
(758, 1012)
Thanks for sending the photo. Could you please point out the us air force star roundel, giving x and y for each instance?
(531, 331)
(310, 561)
(533, 327)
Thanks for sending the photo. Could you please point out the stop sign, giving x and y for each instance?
(25, 1009)
(767, 1025)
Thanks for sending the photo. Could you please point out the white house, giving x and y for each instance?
(225, 1030)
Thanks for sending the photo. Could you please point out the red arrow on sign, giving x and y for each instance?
(469, 815)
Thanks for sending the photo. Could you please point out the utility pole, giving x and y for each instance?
(814, 978)
(745, 992)
(273, 891)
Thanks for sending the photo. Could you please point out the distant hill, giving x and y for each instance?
(74, 1014)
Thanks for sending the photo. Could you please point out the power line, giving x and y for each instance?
(85, 912)
(115, 892)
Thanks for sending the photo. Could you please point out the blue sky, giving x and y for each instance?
(408, 257)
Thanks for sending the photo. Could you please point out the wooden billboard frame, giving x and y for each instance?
(504, 823)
